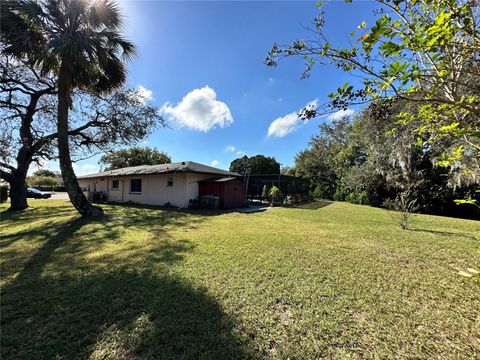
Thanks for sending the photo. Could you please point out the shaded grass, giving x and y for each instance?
(337, 281)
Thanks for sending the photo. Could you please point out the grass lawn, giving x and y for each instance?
(338, 281)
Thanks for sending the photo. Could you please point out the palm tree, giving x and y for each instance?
(78, 40)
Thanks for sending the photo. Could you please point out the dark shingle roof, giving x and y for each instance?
(179, 167)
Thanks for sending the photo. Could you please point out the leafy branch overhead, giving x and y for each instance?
(423, 52)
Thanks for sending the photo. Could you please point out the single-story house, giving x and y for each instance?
(177, 184)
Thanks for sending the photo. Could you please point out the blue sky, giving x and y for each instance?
(202, 63)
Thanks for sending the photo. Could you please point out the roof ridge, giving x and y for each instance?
(180, 166)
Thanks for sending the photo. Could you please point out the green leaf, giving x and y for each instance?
(390, 48)
(465, 201)
(344, 86)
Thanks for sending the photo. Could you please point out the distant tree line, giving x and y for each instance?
(371, 159)
(134, 156)
(44, 178)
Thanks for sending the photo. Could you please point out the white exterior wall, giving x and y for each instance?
(154, 188)
(192, 185)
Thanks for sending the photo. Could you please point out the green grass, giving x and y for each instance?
(330, 280)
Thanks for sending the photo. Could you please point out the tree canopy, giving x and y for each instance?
(258, 164)
(47, 173)
(41, 180)
(133, 156)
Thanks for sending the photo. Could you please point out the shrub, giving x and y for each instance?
(274, 193)
(360, 198)
(264, 191)
(405, 206)
(318, 192)
(42, 181)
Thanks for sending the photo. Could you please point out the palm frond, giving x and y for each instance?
(54, 9)
(82, 33)
(113, 75)
(105, 14)
(114, 41)
(21, 28)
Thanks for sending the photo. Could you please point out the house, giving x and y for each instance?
(177, 184)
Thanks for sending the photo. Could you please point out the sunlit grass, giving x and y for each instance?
(326, 280)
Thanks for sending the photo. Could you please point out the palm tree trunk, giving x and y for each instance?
(78, 199)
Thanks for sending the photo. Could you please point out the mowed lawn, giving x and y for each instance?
(330, 280)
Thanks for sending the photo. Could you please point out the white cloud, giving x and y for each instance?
(233, 149)
(284, 125)
(215, 163)
(340, 114)
(144, 94)
(199, 110)
(288, 123)
(84, 169)
(44, 165)
(80, 169)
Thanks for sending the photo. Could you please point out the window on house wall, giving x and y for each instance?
(136, 185)
(170, 181)
(114, 184)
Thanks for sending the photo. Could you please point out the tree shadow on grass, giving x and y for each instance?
(446, 233)
(187, 212)
(128, 310)
(36, 212)
(311, 205)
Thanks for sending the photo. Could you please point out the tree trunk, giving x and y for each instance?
(18, 192)
(18, 196)
(78, 199)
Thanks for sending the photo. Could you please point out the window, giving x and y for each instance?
(136, 185)
(170, 181)
(114, 184)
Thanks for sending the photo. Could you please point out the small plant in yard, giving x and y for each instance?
(264, 191)
(274, 193)
(404, 207)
